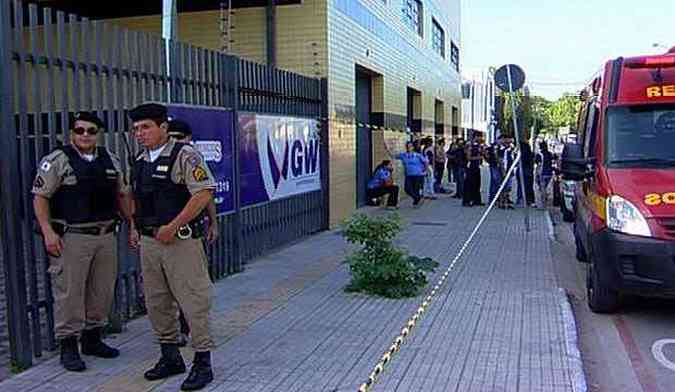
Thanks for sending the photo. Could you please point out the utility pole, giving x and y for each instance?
(170, 34)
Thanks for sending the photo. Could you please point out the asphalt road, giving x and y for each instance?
(617, 350)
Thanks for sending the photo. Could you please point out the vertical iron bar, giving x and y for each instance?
(100, 106)
(37, 134)
(324, 134)
(75, 57)
(231, 70)
(65, 97)
(48, 30)
(108, 32)
(85, 32)
(13, 255)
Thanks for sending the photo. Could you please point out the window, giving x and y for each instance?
(640, 136)
(412, 15)
(591, 130)
(454, 55)
(438, 39)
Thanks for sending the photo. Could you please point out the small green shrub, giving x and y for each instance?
(379, 268)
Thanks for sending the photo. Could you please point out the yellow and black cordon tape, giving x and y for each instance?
(368, 126)
(412, 322)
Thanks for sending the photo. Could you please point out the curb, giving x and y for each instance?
(577, 375)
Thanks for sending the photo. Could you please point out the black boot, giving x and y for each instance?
(93, 345)
(200, 374)
(70, 355)
(169, 364)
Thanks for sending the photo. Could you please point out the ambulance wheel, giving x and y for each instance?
(601, 298)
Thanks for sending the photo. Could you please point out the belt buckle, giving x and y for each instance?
(184, 232)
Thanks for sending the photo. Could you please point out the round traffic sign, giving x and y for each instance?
(517, 78)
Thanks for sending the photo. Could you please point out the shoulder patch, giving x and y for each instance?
(199, 174)
(193, 157)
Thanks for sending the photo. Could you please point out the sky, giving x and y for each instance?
(561, 44)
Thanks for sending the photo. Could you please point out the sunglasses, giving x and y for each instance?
(80, 131)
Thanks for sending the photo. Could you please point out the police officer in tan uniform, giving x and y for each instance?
(172, 187)
(79, 191)
(181, 132)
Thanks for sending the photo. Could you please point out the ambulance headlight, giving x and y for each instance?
(624, 217)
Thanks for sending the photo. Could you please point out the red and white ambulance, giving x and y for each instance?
(624, 163)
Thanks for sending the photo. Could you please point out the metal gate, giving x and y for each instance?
(52, 65)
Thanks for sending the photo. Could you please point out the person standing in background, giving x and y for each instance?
(439, 165)
(459, 167)
(415, 166)
(472, 181)
(527, 164)
(544, 161)
(495, 166)
(428, 191)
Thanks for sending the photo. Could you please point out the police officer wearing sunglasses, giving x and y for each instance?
(79, 192)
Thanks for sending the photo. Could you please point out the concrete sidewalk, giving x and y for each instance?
(285, 324)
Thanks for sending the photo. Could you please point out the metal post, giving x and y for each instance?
(323, 138)
(271, 12)
(231, 74)
(12, 238)
(521, 173)
(170, 34)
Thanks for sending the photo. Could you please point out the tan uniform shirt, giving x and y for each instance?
(54, 170)
(189, 168)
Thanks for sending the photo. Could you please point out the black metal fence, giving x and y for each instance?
(52, 65)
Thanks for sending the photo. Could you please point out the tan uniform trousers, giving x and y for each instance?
(174, 275)
(83, 282)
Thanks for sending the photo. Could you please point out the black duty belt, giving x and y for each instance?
(184, 233)
(90, 230)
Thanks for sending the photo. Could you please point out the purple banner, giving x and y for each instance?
(279, 157)
(212, 136)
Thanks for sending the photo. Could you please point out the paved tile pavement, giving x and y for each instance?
(285, 324)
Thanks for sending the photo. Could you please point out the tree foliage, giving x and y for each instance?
(531, 113)
(563, 112)
(539, 114)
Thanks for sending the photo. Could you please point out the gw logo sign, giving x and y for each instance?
(309, 154)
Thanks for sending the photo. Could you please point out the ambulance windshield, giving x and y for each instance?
(641, 136)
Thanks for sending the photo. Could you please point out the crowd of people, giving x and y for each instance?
(426, 161)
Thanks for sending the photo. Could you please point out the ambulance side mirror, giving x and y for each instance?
(573, 165)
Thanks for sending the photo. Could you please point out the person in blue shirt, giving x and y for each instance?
(382, 183)
(415, 166)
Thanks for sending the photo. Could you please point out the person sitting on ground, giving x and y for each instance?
(382, 183)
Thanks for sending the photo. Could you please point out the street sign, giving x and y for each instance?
(510, 78)
(517, 78)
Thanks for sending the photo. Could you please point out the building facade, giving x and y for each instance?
(393, 64)
(479, 104)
